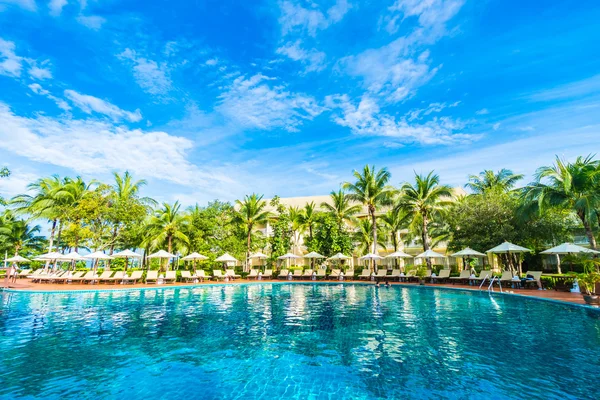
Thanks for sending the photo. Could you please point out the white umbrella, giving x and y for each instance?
(162, 254)
(17, 259)
(568, 248)
(53, 255)
(226, 258)
(126, 254)
(430, 254)
(339, 256)
(398, 254)
(194, 256)
(98, 255)
(468, 252)
(313, 255)
(259, 255)
(73, 256)
(371, 256)
(287, 256)
(507, 248)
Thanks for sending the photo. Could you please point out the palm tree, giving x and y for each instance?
(124, 196)
(570, 186)
(43, 203)
(425, 200)
(504, 180)
(371, 190)
(363, 236)
(251, 213)
(297, 225)
(166, 227)
(69, 195)
(341, 207)
(395, 220)
(19, 235)
(309, 216)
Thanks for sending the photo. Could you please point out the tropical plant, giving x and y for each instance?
(363, 237)
(309, 217)
(568, 186)
(395, 221)
(504, 180)
(166, 228)
(371, 189)
(17, 235)
(425, 201)
(252, 212)
(329, 238)
(341, 208)
(296, 224)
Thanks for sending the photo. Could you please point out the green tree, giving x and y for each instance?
(328, 237)
(424, 201)
(309, 218)
(363, 236)
(371, 189)
(17, 235)
(395, 221)
(4, 173)
(341, 208)
(252, 212)
(166, 228)
(504, 180)
(567, 186)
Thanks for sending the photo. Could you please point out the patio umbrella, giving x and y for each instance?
(73, 257)
(312, 256)
(429, 254)
(339, 256)
(509, 248)
(259, 256)
(467, 252)
(193, 257)
(568, 248)
(17, 259)
(98, 255)
(288, 256)
(396, 255)
(126, 254)
(52, 256)
(162, 254)
(225, 258)
(371, 257)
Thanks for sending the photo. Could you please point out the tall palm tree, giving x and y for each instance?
(70, 194)
(19, 235)
(43, 203)
(504, 180)
(124, 195)
(309, 216)
(297, 225)
(425, 200)
(166, 227)
(569, 186)
(341, 207)
(251, 213)
(363, 236)
(371, 189)
(394, 221)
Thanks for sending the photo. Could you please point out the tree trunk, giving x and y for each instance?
(51, 242)
(170, 249)
(589, 233)
(374, 229)
(425, 239)
(112, 242)
(248, 244)
(558, 268)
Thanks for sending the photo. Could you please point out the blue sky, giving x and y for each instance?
(217, 99)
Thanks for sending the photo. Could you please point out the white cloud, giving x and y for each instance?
(56, 7)
(93, 22)
(150, 75)
(212, 62)
(310, 20)
(25, 4)
(96, 147)
(16, 183)
(313, 60)
(89, 104)
(37, 89)
(432, 14)
(483, 111)
(390, 71)
(40, 73)
(581, 88)
(418, 114)
(496, 126)
(254, 103)
(10, 63)
(367, 119)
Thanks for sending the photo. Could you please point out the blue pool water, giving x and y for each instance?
(299, 341)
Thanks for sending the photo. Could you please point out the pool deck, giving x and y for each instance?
(25, 285)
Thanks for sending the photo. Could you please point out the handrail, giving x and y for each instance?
(491, 286)
(483, 281)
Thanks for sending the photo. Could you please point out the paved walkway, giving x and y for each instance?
(27, 285)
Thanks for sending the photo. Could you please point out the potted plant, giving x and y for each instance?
(587, 282)
(420, 273)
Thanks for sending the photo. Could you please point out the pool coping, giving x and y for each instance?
(223, 284)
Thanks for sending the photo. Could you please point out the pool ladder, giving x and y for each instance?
(491, 285)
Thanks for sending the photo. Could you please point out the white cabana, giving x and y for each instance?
(567, 248)
(126, 254)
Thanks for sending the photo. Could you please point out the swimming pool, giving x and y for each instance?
(297, 341)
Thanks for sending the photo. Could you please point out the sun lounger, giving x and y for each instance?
(33, 275)
(381, 273)
(283, 274)
(484, 274)
(170, 277)
(54, 277)
(231, 274)
(335, 274)
(365, 274)
(443, 275)
(537, 279)
(83, 278)
(349, 274)
(321, 273)
(201, 274)
(91, 278)
(152, 276)
(462, 278)
(218, 274)
(268, 274)
(395, 274)
(297, 273)
(253, 274)
(114, 279)
(308, 273)
(24, 273)
(76, 276)
(133, 277)
(187, 276)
